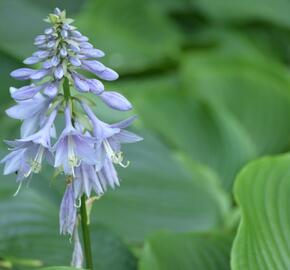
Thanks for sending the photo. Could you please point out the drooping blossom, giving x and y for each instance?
(86, 154)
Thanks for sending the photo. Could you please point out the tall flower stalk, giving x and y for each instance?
(86, 149)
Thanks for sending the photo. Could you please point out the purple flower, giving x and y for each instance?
(51, 89)
(73, 147)
(25, 92)
(68, 211)
(91, 52)
(100, 70)
(87, 147)
(15, 162)
(31, 151)
(40, 74)
(86, 180)
(22, 73)
(83, 84)
(110, 138)
(31, 111)
(77, 257)
(116, 101)
(59, 72)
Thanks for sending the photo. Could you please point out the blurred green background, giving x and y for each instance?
(210, 83)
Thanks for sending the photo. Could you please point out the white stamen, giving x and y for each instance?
(18, 189)
(72, 159)
(36, 163)
(116, 157)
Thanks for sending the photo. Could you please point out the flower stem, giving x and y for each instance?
(66, 90)
(86, 234)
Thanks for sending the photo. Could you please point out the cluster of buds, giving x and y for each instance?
(87, 148)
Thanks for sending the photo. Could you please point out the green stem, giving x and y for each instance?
(86, 234)
(66, 90)
(83, 210)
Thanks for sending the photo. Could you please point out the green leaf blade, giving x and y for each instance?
(187, 251)
(262, 190)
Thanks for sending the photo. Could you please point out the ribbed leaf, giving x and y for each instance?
(158, 192)
(58, 268)
(167, 251)
(262, 191)
(30, 234)
(139, 35)
(247, 10)
(206, 133)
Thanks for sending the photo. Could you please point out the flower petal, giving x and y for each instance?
(127, 137)
(116, 101)
(26, 92)
(68, 212)
(96, 86)
(125, 123)
(22, 73)
(107, 74)
(40, 74)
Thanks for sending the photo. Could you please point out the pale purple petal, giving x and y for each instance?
(60, 153)
(51, 89)
(51, 44)
(26, 92)
(55, 61)
(127, 137)
(96, 86)
(80, 83)
(31, 60)
(76, 33)
(68, 212)
(40, 74)
(22, 73)
(75, 61)
(59, 72)
(48, 31)
(86, 45)
(84, 150)
(108, 74)
(125, 123)
(77, 257)
(63, 52)
(41, 54)
(93, 66)
(64, 33)
(101, 129)
(116, 101)
(27, 108)
(47, 64)
(92, 53)
(29, 126)
(13, 161)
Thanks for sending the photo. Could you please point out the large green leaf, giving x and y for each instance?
(206, 133)
(7, 65)
(18, 41)
(158, 192)
(29, 232)
(262, 191)
(167, 251)
(253, 89)
(275, 12)
(134, 35)
(58, 268)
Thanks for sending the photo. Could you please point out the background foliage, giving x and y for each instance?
(210, 83)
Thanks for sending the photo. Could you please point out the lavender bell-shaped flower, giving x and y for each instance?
(73, 147)
(28, 153)
(110, 138)
(85, 153)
